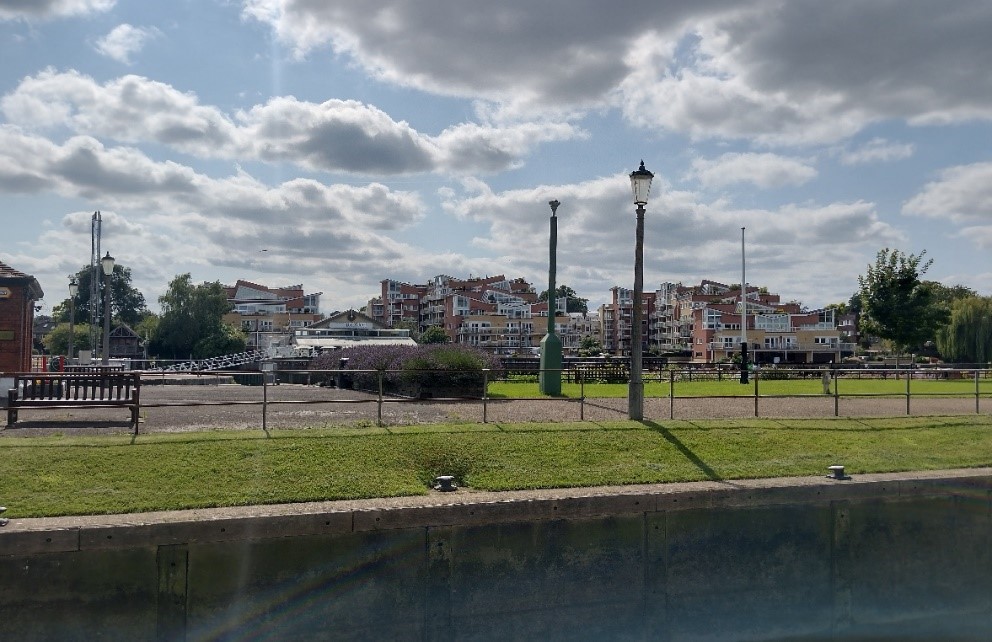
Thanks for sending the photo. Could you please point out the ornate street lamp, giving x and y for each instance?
(640, 184)
(107, 263)
(73, 291)
(550, 369)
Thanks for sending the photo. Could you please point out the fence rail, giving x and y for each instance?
(673, 393)
(765, 389)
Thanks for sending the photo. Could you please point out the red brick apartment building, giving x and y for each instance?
(492, 312)
(704, 322)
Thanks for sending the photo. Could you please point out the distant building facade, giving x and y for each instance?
(270, 316)
(708, 322)
(492, 313)
(348, 329)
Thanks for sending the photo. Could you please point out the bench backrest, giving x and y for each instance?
(107, 386)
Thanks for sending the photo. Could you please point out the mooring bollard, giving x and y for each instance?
(837, 472)
(445, 483)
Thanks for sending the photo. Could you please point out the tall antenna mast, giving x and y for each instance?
(743, 293)
(95, 232)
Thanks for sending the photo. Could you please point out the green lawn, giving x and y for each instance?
(732, 388)
(119, 474)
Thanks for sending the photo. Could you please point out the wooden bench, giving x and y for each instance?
(105, 389)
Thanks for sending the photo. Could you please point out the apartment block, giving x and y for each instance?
(491, 312)
(708, 322)
(270, 316)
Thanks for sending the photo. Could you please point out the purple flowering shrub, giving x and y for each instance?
(437, 365)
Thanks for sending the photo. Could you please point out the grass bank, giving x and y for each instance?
(116, 474)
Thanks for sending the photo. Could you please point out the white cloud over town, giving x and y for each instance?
(124, 42)
(387, 139)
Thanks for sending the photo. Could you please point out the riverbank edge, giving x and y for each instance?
(465, 507)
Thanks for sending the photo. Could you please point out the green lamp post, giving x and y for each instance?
(550, 374)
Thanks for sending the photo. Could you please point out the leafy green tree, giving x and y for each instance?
(126, 302)
(57, 341)
(148, 326)
(948, 295)
(433, 334)
(967, 337)
(895, 304)
(589, 347)
(191, 323)
(227, 340)
(411, 326)
(575, 303)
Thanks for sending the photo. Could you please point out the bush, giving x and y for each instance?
(437, 366)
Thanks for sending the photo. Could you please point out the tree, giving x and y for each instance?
(896, 305)
(575, 303)
(57, 341)
(191, 323)
(411, 326)
(433, 334)
(126, 302)
(967, 337)
(590, 346)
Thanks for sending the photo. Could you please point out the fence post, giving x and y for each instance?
(836, 393)
(671, 394)
(485, 395)
(757, 375)
(977, 405)
(379, 402)
(909, 375)
(582, 394)
(265, 402)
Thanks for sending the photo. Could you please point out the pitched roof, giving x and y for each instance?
(16, 277)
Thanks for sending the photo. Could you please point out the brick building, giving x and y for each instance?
(18, 293)
(707, 323)
(493, 312)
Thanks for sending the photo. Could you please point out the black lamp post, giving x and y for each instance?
(640, 184)
(107, 263)
(73, 291)
(550, 371)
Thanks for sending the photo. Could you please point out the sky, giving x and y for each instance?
(336, 143)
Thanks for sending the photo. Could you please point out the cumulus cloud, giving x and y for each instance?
(803, 71)
(545, 54)
(187, 220)
(877, 150)
(762, 170)
(47, 9)
(686, 239)
(962, 193)
(336, 135)
(124, 41)
(125, 178)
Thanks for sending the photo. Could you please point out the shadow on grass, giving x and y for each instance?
(711, 474)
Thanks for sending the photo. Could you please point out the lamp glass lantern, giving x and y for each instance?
(73, 287)
(640, 185)
(107, 263)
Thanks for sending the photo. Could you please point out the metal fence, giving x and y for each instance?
(764, 393)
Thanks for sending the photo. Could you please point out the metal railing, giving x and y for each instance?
(384, 387)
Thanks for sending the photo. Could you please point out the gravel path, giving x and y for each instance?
(179, 408)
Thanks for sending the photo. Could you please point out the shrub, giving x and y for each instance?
(430, 365)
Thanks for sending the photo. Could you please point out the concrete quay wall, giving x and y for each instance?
(900, 555)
